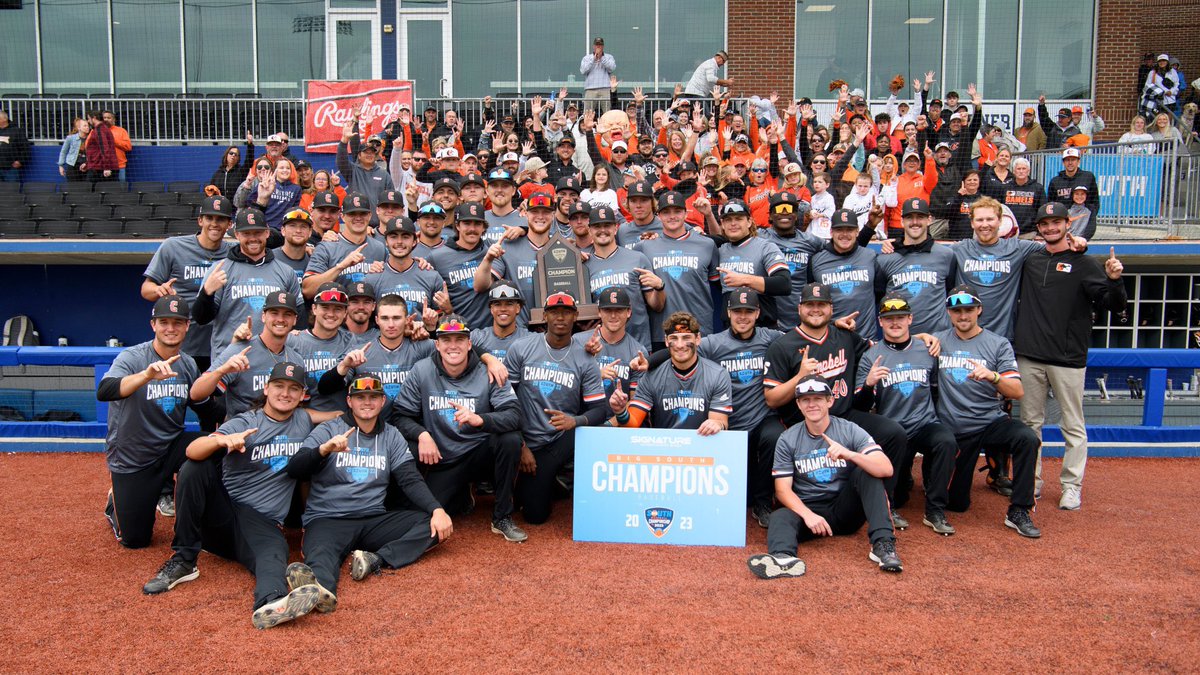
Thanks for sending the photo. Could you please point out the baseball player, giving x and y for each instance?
(504, 303)
(849, 271)
(326, 212)
(402, 275)
(458, 259)
(520, 254)
(322, 346)
(296, 230)
(504, 221)
(352, 255)
(361, 311)
(749, 261)
(622, 359)
(786, 212)
(921, 268)
(611, 266)
(686, 262)
(643, 222)
(431, 229)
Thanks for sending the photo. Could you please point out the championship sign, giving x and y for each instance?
(331, 104)
(660, 486)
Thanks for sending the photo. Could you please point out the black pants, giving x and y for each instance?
(135, 495)
(96, 176)
(936, 443)
(399, 537)
(891, 437)
(760, 486)
(206, 517)
(535, 493)
(860, 500)
(496, 460)
(1004, 434)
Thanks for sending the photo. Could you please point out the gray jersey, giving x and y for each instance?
(564, 379)
(686, 265)
(429, 395)
(391, 366)
(298, 265)
(256, 477)
(520, 266)
(244, 294)
(922, 276)
(851, 279)
(422, 250)
(457, 267)
(995, 272)
(816, 479)
(496, 224)
(319, 356)
(143, 425)
(487, 340)
(415, 285)
(796, 251)
(624, 350)
(745, 362)
(617, 270)
(674, 401)
(329, 253)
(753, 255)
(965, 405)
(903, 395)
(352, 484)
(243, 388)
(186, 261)
(630, 233)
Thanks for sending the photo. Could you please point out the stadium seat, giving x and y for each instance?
(128, 198)
(145, 186)
(59, 229)
(160, 198)
(145, 229)
(82, 198)
(112, 186)
(93, 212)
(103, 229)
(18, 229)
(10, 202)
(177, 228)
(43, 198)
(75, 186)
(38, 187)
(133, 212)
(175, 212)
(183, 186)
(194, 198)
(50, 212)
(8, 188)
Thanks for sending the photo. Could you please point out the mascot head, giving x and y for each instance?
(614, 126)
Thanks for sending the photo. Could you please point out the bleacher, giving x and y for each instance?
(105, 210)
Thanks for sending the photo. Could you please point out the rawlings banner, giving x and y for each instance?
(332, 104)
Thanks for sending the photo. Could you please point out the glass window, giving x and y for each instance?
(567, 41)
(75, 46)
(291, 45)
(485, 47)
(1056, 49)
(906, 38)
(425, 67)
(354, 53)
(831, 44)
(981, 47)
(18, 68)
(691, 32)
(627, 27)
(146, 45)
(218, 39)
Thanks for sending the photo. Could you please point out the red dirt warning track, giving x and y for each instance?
(1112, 587)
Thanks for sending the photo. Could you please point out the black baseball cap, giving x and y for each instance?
(915, 206)
(356, 202)
(500, 176)
(660, 149)
(469, 211)
(502, 291)
(292, 372)
(579, 207)
(326, 200)
(568, 183)
(361, 289)
(331, 293)
(614, 297)
(735, 207)
(447, 182)
(303, 164)
(401, 224)
(685, 166)
(392, 197)
(743, 298)
(844, 218)
(895, 304)
(642, 188)
(171, 307)
(813, 384)
(472, 178)
(602, 214)
(280, 300)
(963, 295)
(249, 219)
(780, 198)
(671, 200)
(217, 206)
(568, 139)
(815, 292)
(1051, 210)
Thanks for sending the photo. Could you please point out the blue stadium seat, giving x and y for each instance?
(20, 400)
(81, 401)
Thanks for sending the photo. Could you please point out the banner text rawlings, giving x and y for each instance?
(332, 104)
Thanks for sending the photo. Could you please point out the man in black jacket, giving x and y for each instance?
(1057, 132)
(1059, 288)
(14, 149)
(1071, 177)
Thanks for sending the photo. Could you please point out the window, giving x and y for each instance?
(553, 42)
(689, 34)
(218, 40)
(18, 67)
(627, 27)
(146, 45)
(981, 47)
(906, 38)
(75, 46)
(1056, 49)
(485, 47)
(291, 45)
(831, 44)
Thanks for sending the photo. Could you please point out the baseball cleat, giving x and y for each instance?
(762, 516)
(292, 606)
(509, 529)
(172, 573)
(767, 566)
(166, 506)
(938, 522)
(883, 552)
(110, 513)
(898, 521)
(299, 574)
(363, 563)
(1019, 520)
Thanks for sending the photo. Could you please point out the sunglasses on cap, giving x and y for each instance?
(432, 209)
(297, 214)
(332, 295)
(783, 208)
(894, 305)
(367, 385)
(451, 326)
(962, 299)
(812, 387)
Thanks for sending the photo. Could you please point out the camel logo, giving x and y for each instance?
(289, 371)
(659, 520)
(743, 297)
(174, 305)
(612, 297)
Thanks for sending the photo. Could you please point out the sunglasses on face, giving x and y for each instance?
(263, 167)
(758, 170)
(233, 152)
(783, 209)
(660, 156)
(620, 150)
(818, 161)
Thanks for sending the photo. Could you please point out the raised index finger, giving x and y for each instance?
(878, 360)
(360, 248)
(173, 359)
(1112, 252)
(243, 352)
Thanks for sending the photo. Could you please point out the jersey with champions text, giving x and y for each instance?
(995, 272)
(319, 356)
(520, 266)
(624, 350)
(186, 261)
(457, 267)
(904, 395)
(755, 256)
(673, 400)
(564, 379)
(968, 406)
(256, 477)
(143, 425)
(243, 388)
(353, 483)
(922, 276)
(429, 395)
(838, 354)
(391, 366)
(329, 253)
(816, 479)
(744, 361)
(686, 265)
(851, 280)
(796, 251)
(617, 271)
(415, 285)
(487, 340)
(245, 292)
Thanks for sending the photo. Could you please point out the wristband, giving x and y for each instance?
(623, 416)
(995, 378)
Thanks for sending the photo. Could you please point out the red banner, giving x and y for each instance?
(332, 104)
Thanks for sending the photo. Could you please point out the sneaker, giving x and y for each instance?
(292, 606)
(938, 522)
(1000, 483)
(171, 574)
(299, 574)
(884, 553)
(110, 512)
(762, 515)
(1070, 498)
(509, 529)
(1019, 520)
(484, 487)
(566, 477)
(898, 521)
(166, 506)
(363, 563)
(767, 566)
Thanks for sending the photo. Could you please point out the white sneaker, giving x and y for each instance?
(1070, 498)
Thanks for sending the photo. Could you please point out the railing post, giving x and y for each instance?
(1155, 394)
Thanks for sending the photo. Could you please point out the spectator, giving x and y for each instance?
(277, 195)
(303, 176)
(1137, 134)
(1088, 121)
(274, 150)
(997, 176)
(917, 181)
(1057, 133)
(232, 171)
(322, 182)
(1144, 71)
(596, 68)
(1030, 132)
(286, 152)
(14, 149)
(366, 176)
(1162, 130)
(1062, 185)
(121, 139)
(957, 209)
(71, 155)
(601, 192)
(1160, 88)
(1023, 196)
(101, 149)
(707, 76)
(1083, 221)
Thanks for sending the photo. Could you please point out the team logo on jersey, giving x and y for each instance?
(659, 520)
(987, 269)
(359, 473)
(277, 463)
(1060, 267)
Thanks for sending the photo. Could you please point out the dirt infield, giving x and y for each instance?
(1111, 587)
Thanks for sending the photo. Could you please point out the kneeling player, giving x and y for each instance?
(829, 477)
